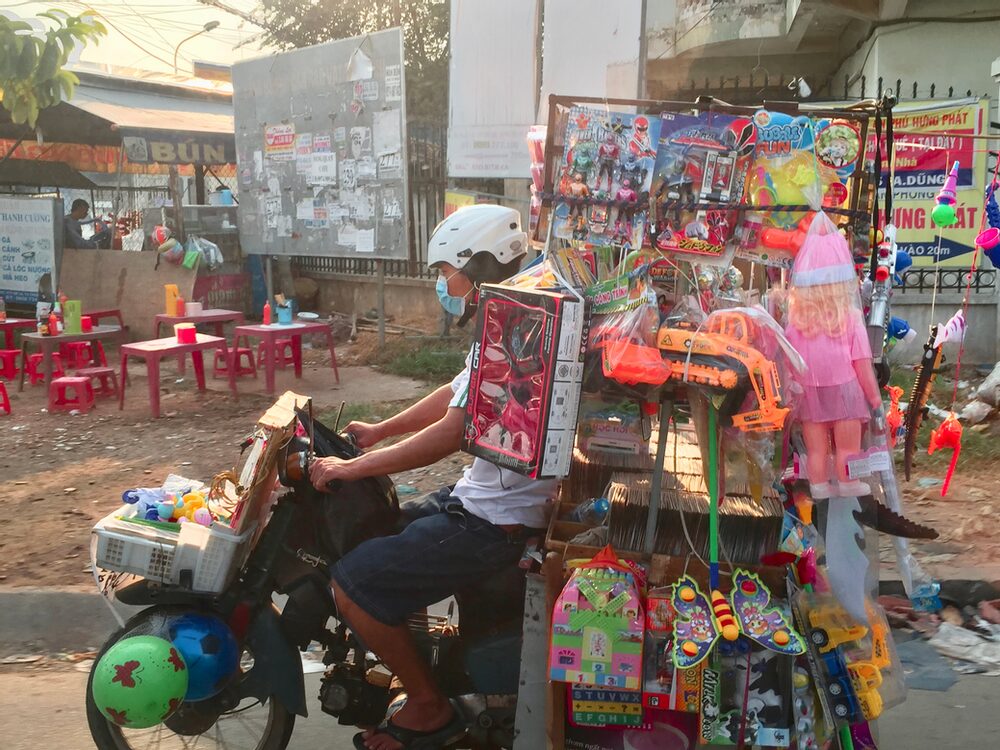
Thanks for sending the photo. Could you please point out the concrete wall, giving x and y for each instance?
(981, 344)
(405, 299)
(945, 54)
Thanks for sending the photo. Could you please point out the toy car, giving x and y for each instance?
(839, 688)
(830, 628)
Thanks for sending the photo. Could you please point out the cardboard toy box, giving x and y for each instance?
(526, 377)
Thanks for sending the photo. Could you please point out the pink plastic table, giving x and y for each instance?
(268, 335)
(10, 325)
(155, 350)
(97, 315)
(49, 344)
(217, 317)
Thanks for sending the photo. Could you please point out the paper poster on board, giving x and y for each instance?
(361, 142)
(386, 135)
(393, 83)
(323, 168)
(279, 142)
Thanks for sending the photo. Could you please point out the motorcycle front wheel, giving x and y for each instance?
(251, 725)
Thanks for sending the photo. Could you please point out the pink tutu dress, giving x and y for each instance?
(831, 389)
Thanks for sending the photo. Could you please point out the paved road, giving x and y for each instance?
(44, 711)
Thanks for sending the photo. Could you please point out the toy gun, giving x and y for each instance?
(720, 358)
(917, 409)
(878, 312)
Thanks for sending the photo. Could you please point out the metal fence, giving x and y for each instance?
(753, 89)
(922, 280)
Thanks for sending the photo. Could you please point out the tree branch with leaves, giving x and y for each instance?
(32, 64)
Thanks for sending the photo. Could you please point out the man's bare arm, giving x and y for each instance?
(426, 447)
(424, 413)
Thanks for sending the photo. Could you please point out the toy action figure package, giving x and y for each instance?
(701, 159)
(744, 692)
(526, 375)
(605, 176)
(658, 666)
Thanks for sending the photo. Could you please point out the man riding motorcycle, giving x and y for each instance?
(454, 538)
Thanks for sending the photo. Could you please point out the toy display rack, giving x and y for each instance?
(855, 216)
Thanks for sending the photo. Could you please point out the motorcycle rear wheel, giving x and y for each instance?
(252, 725)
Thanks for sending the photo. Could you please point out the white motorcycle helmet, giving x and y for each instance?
(486, 228)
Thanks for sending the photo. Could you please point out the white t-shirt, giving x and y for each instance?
(500, 496)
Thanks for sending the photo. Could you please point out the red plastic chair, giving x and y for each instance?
(284, 353)
(83, 394)
(220, 367)
(4, 399)
(8, 363)
(34, 368)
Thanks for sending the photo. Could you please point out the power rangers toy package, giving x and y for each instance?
(526, 376)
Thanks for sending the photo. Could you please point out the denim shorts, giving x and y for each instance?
(442, 549)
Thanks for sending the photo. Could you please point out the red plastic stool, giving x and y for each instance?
(4, 399)
(79, 354)
(221, 365)
(8, 363)
(83, 394)
(106, 378)
(284, 353)
(34, 368)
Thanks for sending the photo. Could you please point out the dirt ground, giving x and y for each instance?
(60, 473)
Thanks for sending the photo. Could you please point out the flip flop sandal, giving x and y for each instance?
(412, 739)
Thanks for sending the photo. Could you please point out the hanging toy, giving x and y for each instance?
(894, 419)
(989, 239)
(952, 331)
(699, 623)
(944, 212)
(927, 371)
(948, 435)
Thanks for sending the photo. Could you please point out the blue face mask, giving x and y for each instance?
(452, 305)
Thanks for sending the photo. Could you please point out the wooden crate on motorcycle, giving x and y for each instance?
(251, 494)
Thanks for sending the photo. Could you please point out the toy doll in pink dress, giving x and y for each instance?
(826, 326)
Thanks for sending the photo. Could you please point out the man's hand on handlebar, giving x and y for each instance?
(365, 435)
(323, 471)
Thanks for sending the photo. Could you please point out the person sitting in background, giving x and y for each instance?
(73, 229)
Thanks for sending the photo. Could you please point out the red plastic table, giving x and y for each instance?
(155, 350)
(11, 324)
(217, 317)
(97, 315)
(269, 334)
(49, 344)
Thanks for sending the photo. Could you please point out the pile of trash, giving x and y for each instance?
(986, 400)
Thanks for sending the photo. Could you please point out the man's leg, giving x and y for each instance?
(379, 583)
(426, 707)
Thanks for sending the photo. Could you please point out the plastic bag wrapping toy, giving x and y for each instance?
(826, 325)
(598, 626)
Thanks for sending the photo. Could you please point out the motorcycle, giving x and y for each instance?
(476, 663)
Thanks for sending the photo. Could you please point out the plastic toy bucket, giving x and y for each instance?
(988, 239)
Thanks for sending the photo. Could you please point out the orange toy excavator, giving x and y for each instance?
(720, 357)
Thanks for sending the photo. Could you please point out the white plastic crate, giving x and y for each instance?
(211, 553)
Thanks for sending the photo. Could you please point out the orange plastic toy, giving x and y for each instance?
(948, 435)
(789, 240)
(722, 357)
(894, 419)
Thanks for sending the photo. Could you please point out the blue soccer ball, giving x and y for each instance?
(210, 651)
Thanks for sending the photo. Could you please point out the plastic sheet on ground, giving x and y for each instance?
(980, 653)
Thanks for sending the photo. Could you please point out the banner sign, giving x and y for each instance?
(927, 143)
(29, 233)
(169, 147)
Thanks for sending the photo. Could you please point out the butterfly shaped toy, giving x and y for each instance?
(701, 622)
